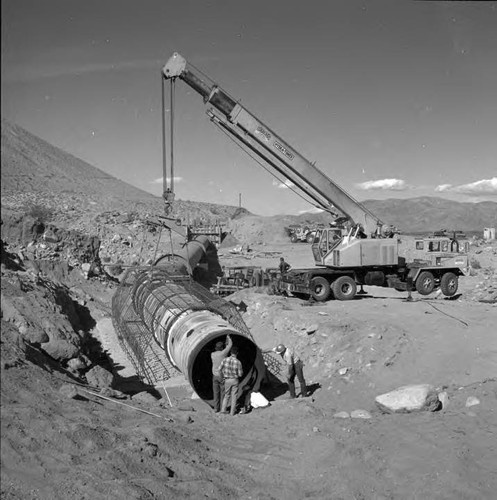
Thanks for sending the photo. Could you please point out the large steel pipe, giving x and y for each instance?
(186, 324)
(198, 258)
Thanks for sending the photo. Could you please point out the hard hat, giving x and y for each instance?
(280, 348)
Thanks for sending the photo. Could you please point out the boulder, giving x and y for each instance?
(99, 377)
(76, 364)
(311, 329)
(69, 391)
(112, 393)
(360, 414)
(145, 397)
(444, 399)
(409, 398)
(60, 349)
(472, 401)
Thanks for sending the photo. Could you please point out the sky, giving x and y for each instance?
(391, 99)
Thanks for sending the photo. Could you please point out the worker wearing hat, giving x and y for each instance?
(294, 366)
(217, 379)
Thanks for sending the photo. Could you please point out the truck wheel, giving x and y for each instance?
(344, 288)
(449, 284)
(320, 288)
(293, 238)
(425, 283)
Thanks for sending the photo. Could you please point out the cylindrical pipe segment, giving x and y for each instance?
(188, 330)
(198, 258)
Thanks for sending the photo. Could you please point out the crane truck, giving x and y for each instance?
(366, 251)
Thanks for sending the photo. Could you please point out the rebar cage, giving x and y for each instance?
(138, 342)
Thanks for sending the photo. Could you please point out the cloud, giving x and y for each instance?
(283, 185)
(312, 210)
(23, 73)
(384, 184)
(443, 187)
(482, 187)
(160, 180)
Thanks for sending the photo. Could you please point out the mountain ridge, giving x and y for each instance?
(32, 165)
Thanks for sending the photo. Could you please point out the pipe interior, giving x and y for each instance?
(201, 370)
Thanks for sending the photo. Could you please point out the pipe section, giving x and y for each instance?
(188, 329)
(198, 258)
(187, 321)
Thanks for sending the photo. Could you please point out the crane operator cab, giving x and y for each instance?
(325, 240)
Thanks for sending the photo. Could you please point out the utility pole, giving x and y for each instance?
(239, 200)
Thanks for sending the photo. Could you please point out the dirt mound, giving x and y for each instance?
(256, 230)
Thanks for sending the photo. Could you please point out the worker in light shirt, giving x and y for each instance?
(217, 357)
(295, 367)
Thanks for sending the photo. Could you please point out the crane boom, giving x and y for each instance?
(235, 119)
(370, 253)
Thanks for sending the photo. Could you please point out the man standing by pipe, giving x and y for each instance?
(217, 379)
(232, 371)
(294, 367)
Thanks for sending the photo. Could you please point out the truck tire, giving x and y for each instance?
(425, 283)
(293, 238)
(449, 284)
(309, 237)
(320, 289)
(344, 288)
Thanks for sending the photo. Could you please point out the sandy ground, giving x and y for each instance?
(54, 447)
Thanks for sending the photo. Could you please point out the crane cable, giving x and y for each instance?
(168, 186)
(171, 127)
(165, 186)
(164, 162)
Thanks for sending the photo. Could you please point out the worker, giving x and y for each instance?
(217, 379)
(232, 372)
(294, 366)
(284, 266)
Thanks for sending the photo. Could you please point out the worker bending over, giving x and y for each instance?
(294, 366)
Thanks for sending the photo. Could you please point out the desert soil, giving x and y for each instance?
(87, 447)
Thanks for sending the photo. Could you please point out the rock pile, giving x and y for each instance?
(46, 317)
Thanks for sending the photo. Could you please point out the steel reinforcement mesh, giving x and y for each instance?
(148, 358)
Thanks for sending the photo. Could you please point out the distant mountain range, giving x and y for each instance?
(32, 164)
(430, 214)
